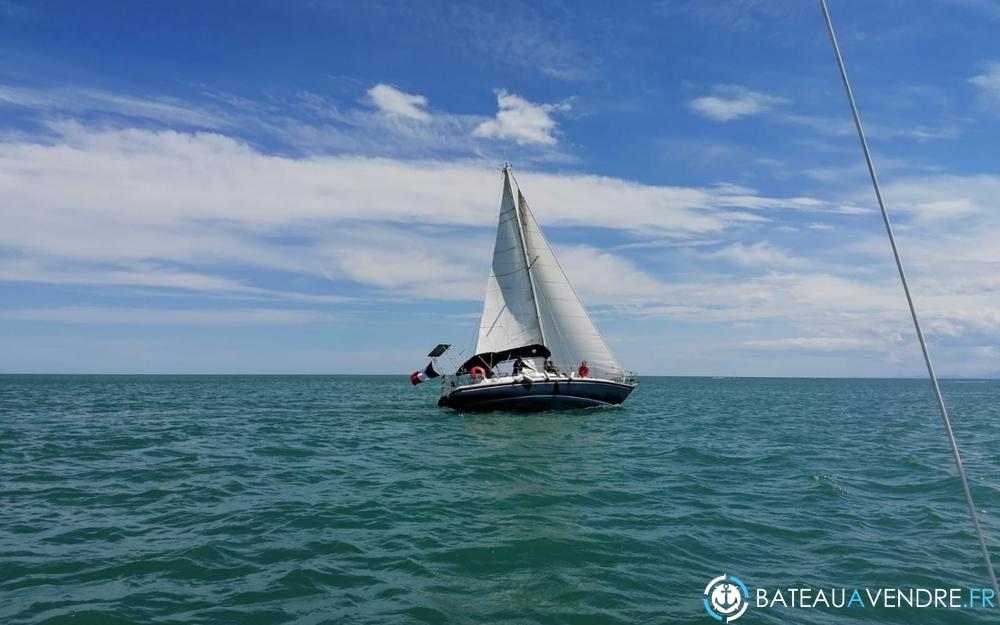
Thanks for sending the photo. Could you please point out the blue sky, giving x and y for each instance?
(312, 187)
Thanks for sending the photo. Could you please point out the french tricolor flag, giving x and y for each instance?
(422, 376)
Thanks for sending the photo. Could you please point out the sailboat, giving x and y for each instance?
(537, 348)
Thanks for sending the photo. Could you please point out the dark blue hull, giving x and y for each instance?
(536, 396)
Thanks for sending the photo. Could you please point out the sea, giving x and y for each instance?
(356, 500)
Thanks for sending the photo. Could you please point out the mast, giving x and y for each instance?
(524, 249)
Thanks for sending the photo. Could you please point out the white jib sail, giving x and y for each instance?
(530, 299)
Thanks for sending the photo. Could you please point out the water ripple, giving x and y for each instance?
(315, 500)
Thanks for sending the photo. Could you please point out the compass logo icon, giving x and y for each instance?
(726, 598)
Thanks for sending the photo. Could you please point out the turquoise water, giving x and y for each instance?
(356, 500)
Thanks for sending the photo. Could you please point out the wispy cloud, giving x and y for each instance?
(200, 212)
(732, 15)
(760, 255)
(132, 275)
(933, 198)
(532, 42)
(131, 208)
(161, 316)
(732, 102)
(989, 8)
(83, 100)
(605, 278)
(392, 123)
(533, 39)
(135, 207)
(845, 128)
(10, 8)
(522, 121)
(822, 343)
(392, 101)
(729, 102)
(820, 226)
(988, 83)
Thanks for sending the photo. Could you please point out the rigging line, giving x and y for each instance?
(909, 300)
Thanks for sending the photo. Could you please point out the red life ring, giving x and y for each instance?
(477, 373)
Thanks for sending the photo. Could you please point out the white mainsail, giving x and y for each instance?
(510, 317)
(530, 300)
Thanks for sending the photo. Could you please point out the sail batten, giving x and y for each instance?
(530, 300)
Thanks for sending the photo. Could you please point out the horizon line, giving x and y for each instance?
(994, 377)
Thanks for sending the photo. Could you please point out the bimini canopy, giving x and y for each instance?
(488, 360)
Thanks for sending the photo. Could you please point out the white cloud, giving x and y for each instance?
(139, 208)
(939, 197)
(159, 316)
(919, 133)
(131, 275)
(822, 343)
(761, 255)
(161, 109)
(987, 351)
(134, 177)
(987, 8)
(540, 41)
(775, 295)
(604, 278)
(729, 102)
(392, 101)
(521, 121)
(839, 127)
(397, 125)
(988, 83)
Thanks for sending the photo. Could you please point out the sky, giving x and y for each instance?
(313, 186)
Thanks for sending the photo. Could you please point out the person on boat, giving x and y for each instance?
(584, 370)
(550, 367)
(518, 367)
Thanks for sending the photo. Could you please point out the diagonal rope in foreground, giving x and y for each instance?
(909, 300)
